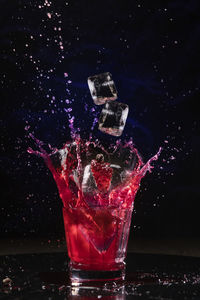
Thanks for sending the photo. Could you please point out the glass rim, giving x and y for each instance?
(98, 208)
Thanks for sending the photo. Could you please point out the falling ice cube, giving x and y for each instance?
(102, 88)
(113, 118)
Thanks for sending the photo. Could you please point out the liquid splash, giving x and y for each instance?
(88, 175)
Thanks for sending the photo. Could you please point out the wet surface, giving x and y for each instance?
(45, 276)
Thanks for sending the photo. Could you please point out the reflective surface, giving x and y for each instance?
(45, 276)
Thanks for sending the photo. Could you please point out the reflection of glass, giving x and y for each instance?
(85, 293)
(97, 241)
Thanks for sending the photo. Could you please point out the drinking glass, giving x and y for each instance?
(97, 242)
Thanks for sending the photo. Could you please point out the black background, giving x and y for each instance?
(151, 48)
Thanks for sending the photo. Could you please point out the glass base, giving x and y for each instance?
(78, 276)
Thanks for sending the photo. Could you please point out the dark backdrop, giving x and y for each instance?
(151, 48)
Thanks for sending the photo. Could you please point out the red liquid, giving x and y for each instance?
(97, 212)
(97, 238)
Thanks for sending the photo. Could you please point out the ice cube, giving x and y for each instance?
(116, 175)
(58, 158)
(126, 157)
(113, 118)
(102, 88)
(100, 227)
(102, 173)
(88, 183)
